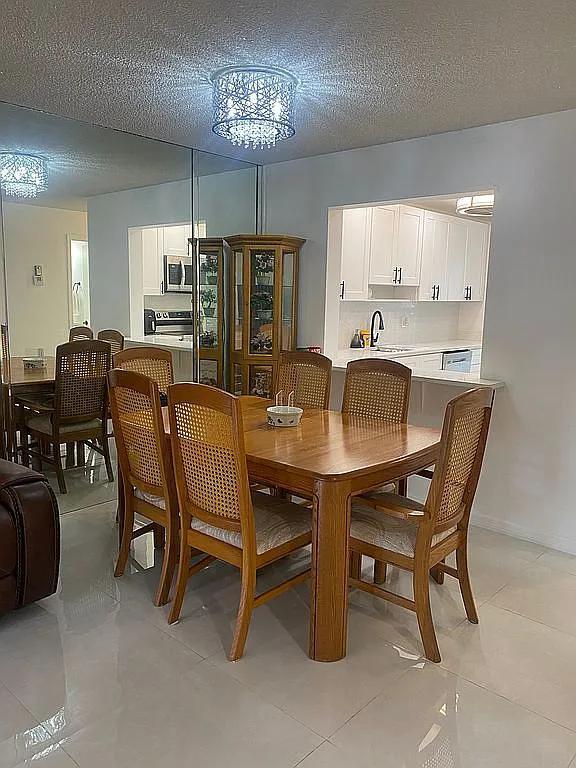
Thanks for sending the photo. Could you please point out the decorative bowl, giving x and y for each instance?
(284, 415)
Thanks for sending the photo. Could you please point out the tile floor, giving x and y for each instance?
(94, 675)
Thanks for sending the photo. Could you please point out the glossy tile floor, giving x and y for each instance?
(94, 676)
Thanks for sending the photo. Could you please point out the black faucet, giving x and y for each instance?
(374, 336)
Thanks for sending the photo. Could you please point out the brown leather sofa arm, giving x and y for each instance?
(31, 511)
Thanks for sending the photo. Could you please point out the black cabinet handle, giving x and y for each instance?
(400, 274)
(395, 280)
(342, 289)
(162, 287)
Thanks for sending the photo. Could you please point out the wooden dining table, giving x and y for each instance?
(331, 457)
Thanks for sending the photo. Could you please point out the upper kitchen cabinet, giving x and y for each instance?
(356, 224)
(152, 263)
(173, 240)
(395, 245)
(454, 258)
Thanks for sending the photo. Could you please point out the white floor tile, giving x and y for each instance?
(328, 756)
(50, 757)
(524, 661)
(560, 561)
(432, 718)
(205, 718)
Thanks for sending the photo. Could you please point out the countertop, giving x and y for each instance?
(453, 378)
(183, 343)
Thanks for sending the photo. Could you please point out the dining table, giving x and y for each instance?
(330, 457)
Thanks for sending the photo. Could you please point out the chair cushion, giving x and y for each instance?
(44, 425)
(387, 532)
(276, 521)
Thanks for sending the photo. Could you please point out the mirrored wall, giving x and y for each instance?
(114, 231)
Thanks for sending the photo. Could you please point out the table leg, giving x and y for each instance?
(329, 594)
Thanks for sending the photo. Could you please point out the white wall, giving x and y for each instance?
(226, 201)
(38, 316)
(527, 486)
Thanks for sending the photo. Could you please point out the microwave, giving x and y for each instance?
(178, 274)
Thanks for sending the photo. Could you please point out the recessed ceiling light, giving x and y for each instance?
(22, 175)
(476, 205)
(253, 106)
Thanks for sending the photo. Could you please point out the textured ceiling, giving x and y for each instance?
(84, 160)
(371, 71)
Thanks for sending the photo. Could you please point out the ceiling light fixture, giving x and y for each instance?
(22, 175)
(476, 205)
(253, 106)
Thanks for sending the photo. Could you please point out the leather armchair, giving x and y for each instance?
(29, 537)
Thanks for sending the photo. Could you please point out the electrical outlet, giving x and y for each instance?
(405, 321)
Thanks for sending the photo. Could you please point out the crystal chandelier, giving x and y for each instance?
(253, 106)
(22, 175)
(476, 205)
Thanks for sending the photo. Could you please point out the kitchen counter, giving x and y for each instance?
(454, 378)
(181, 343)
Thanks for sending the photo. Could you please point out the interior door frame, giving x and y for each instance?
(69, 238)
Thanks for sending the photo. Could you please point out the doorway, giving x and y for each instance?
(79, 281)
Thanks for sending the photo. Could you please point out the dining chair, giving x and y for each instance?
(146, 466)
(80, 333)
(114, 338)
(77, 413)
(308, 375)
(377, 389)
(418, 537)
(154, 362)
(218, 514)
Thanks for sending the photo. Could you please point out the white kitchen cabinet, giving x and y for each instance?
(383, 223)
(174, 239)
(427, 362)
(434, 258)
(355, 253)
(152, 263)
(476, 261)
(395, 245)
(454, 258)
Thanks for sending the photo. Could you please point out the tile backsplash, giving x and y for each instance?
(168, 302)
(413, 322)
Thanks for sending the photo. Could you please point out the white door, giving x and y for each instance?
(456, 259)
(383, 223)
(434, 255)
(152, 263)
(354, 271)
(79, 282)
(476, 260)
(409, 245)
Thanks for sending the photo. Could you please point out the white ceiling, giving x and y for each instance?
(84, 160)
(371, 71)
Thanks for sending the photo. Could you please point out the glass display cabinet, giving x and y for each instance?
(211, 340)
(262, 308)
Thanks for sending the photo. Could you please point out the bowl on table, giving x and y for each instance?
(284, 415)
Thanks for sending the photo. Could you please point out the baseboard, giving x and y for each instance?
(561, 543)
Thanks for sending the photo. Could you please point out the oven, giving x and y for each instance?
(178, 276)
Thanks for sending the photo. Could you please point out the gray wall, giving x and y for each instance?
(527, 487)
(225, 200)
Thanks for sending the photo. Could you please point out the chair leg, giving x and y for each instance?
(106, 452)
(424, 614)
(464, 581)
(125, 538)
(58, 465)
(168, 566)
(69, 455)
(80, 455)
(182, 580)
(244, 613)
(355, 567)
(380, 569)
(436, 574)
(24, 444)
(159, 536)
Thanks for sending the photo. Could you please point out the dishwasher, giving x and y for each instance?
(460, 361)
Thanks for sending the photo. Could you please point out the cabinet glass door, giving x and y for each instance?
(238, 298)
(209, 299)
(287, 299)
(261, 302)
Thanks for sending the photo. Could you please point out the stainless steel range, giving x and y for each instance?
(172, 323)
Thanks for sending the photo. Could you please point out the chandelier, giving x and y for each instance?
(253, 106)
(476, 205)
(22, 175)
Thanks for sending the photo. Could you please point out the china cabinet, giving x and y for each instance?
(262, 307)
(211, 342)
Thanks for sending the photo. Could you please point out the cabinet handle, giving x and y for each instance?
(162, 287)
(342, 289)
(437, 292)
(400, 275)
(395, 275)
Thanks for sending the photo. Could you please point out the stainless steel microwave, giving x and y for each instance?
(177, 274)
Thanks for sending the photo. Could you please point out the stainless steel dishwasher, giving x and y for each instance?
(460, 360)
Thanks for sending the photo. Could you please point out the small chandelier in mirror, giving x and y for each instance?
(22, 175)
(253, 106)
(476, 205)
